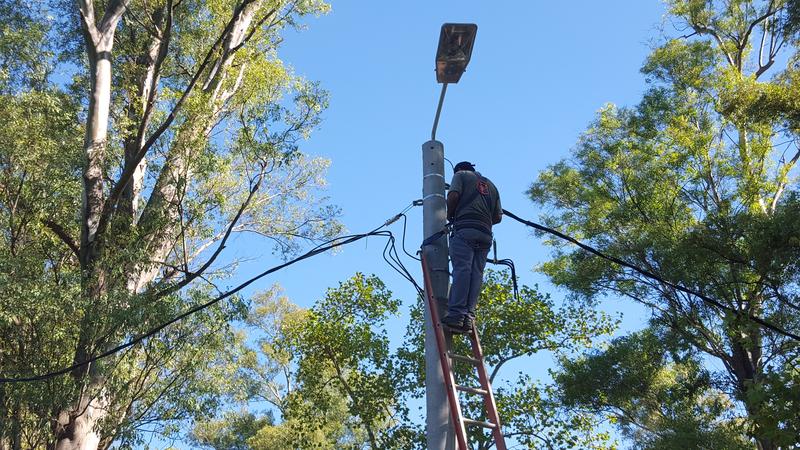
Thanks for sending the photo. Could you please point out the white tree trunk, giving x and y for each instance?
(77, 424)
(79, 429)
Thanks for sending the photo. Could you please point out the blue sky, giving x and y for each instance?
(539, 72)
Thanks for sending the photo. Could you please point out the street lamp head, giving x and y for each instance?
(455, 49)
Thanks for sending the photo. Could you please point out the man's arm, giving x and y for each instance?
(498, 211)
(452, 204)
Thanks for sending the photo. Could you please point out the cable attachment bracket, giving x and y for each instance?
(393, 219)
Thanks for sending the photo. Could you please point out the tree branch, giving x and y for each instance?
(195, 274)
(130, 166)
(703, 29)
(62, 233)
(114, 11)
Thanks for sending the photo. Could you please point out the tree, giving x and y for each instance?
(661, 398)
(334, 381)
(232, 432)
(345, 337)
(120, 190)
(327, 372)
(697, 184)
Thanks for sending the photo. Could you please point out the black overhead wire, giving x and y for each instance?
(403, 241)
(321, 248)
(510, 264)
(764, 323)
(392, 258)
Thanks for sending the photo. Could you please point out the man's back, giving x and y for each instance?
(479, 200)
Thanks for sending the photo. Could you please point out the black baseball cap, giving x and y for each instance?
(464, 165)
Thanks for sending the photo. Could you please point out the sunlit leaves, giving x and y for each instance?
(692, 183)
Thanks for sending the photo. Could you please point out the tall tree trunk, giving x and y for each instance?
(95, 146)
(77, 424)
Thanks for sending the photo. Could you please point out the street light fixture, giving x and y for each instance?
(452, 56)
(455, 49)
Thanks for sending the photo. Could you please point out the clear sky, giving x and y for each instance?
(539, 72)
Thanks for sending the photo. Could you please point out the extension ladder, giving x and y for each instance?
(447, 357)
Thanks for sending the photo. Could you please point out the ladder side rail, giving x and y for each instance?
(488, 399)
(452, 395)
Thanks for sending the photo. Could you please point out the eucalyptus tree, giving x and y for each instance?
(697, 184)
(139, 137)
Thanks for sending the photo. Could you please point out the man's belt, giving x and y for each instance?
(474, 221)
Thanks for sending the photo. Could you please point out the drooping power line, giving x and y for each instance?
(764, 323)
(322, 248)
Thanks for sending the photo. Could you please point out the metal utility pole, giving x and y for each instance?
(452, 57)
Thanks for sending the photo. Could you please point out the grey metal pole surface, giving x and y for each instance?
(438, 112)
(439, 430)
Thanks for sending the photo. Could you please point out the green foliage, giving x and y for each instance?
(661, 397)
(231, 160)
(345, 355)
(327, 371)
(25, 51)
(697, 184)
(335, 381)
(232, 432)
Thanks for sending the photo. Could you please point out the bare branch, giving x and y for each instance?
(702, 29)
(195, 274)
(784, 181)
(743, 44)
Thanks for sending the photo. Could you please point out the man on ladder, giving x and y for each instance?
(473, 206)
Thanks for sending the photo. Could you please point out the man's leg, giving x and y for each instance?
(476, 281)
(461, 256)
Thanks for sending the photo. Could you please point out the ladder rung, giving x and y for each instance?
(463, 358)
(472, 390)
(478, 423)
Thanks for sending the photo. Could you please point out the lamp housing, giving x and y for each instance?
(455, 49)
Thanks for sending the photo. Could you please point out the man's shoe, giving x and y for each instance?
(454, 326)
(468, 324)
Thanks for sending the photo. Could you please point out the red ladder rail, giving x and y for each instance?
(447, 372)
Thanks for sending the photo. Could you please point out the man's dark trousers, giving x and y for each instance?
(469, 249)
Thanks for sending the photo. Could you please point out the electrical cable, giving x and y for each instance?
(764, 323)
(510, 264)
(451, 164)
(321, 248)
(392, 258)
(403, 241)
